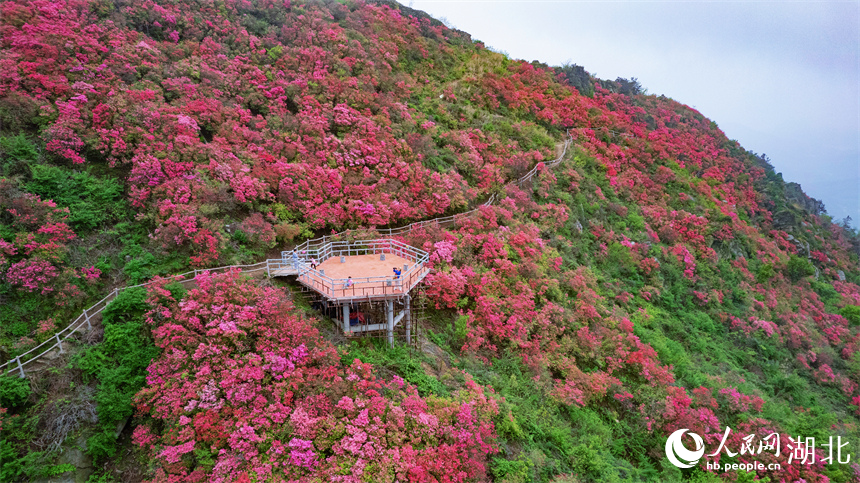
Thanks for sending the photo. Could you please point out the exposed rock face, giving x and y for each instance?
(76, 456)
(68, 477)
(784, 220)
(794, 193)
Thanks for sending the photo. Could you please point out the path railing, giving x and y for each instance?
(323, 250)
(20, 362)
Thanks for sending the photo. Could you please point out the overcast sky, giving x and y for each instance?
(782, 78)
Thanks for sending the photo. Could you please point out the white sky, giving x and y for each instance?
(783, 78)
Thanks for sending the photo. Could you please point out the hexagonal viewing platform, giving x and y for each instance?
(348, 274)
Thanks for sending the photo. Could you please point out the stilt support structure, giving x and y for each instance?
(346, 318)
(389, 316)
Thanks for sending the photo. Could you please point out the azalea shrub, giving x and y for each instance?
(246, 389)
(35, 275)
(651, 346)
(193, 157)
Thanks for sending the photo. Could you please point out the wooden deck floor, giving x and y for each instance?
(361, 267)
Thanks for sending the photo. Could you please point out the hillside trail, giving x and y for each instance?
(439, 357)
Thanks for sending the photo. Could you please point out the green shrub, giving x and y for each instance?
(398, 359)
(539, 423)
(506, 424)
(816, 423)
(240, 236)
(589, 461)
(14, 391)
(119, 364)
(701, 321)
(177, 290)
(461, 328)
(516, 471)
(790, 386)
(635, 222)
(60, 469)
(852, 313)
(828, 294)
(16, 153)
(619, 262)
(140, 268)
(19, 314)
(798, 268)
(92, 201)
(764, 273)
(17, 467)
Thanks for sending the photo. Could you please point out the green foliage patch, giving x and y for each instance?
(798, 268)
(13, 391)
(16, 154)
(119, 364)
(92, 200)
(399, 359)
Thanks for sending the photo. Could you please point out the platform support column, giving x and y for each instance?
(389, 314)
(408, 318)
(346, 318)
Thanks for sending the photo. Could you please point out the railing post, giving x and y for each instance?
(59, 342)
(20, 368)
(87, 318)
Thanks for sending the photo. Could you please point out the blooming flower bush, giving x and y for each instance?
(34, 248)
(246, 388)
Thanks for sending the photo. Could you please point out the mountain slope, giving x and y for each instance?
(660, 278)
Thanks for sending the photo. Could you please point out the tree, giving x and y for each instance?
(577, 77)
(630, 87)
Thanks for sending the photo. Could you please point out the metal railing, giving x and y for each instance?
(360, 287)
(321, 251)
(19, 363)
